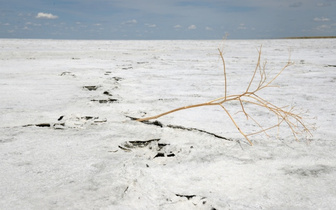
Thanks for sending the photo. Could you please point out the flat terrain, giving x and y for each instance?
(67, 140)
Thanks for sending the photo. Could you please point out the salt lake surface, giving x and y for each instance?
(67, 140)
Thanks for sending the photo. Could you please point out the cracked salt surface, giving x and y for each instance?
(63, 147)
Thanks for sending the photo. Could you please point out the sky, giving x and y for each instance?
(166, 19)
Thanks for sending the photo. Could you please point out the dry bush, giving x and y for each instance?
(284, 115)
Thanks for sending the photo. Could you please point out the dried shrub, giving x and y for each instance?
(284, 115)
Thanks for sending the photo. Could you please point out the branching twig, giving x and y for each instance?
(293, 120)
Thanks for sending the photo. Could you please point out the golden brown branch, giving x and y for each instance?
(294, 121)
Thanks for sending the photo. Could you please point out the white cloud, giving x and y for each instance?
(150, 25)
(177, 26)
(242, 26)
(208, 28)
(325, 4)
(323, 27)
(322, 19)
(296, 4)
(192, 27)
(46, 16)
(130, 22)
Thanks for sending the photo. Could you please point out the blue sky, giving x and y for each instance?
(166, 19)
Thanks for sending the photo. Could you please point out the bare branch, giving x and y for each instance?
(234, 122)
(223, 61)
(294, 121)
(255, 71)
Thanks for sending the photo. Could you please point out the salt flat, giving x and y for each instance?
(67, 140)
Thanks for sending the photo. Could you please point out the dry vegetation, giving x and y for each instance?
(285, 115)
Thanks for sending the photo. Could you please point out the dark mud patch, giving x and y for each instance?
(117, 79)
(156, 123)
(46, 125)
(105, 101)
(198, 130)
(162, 154)
(91, 87)
(89, 117)
(139, 144)
(43, 125)
(185, 196)
(107, 93)
(159, 124)
(69, 122)
(152, 144)
(199, 202)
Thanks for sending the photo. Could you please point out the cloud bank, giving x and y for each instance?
(174, 19)
(42, 15)
(322, 19)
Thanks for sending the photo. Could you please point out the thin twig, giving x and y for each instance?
(294, 121)
(223, 61)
